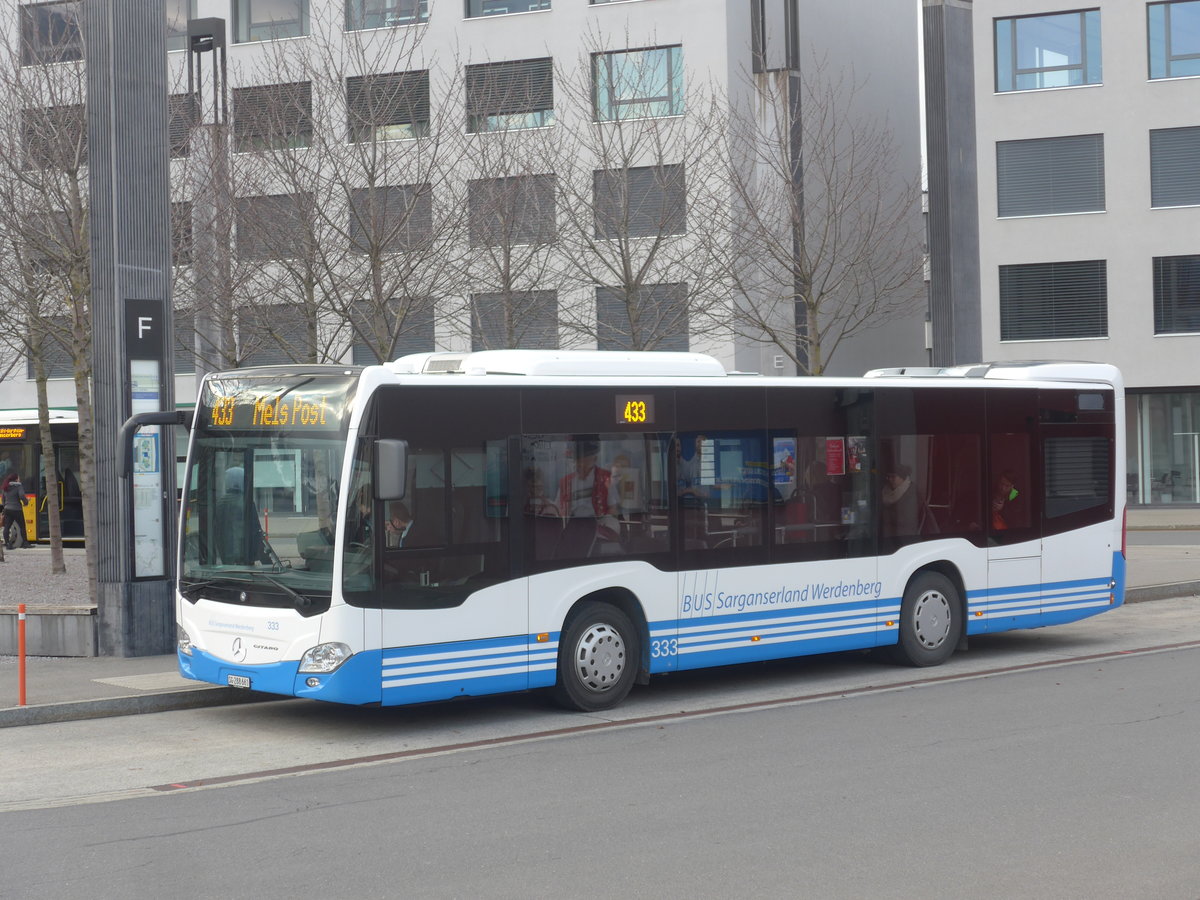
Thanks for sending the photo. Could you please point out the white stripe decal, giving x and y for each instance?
(780, 639)
(456, 676)
(789, 629)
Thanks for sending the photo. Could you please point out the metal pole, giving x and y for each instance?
(20, 654)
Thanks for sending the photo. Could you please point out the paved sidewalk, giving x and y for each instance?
(64, 689)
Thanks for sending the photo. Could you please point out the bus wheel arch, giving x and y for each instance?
(601, 652)
(933, 616)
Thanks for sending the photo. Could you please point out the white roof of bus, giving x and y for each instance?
(560, 363)
(30, 416)
(606, 364)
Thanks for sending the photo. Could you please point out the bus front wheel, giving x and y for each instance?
(930, 621)
(598, 656)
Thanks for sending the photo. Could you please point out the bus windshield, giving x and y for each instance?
(262, 492)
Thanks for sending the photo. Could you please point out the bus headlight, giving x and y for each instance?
(324, 657)
(183, 641)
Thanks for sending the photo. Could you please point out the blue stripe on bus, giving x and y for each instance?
(1049, 585)
(520, 662)
(468, 668)
(701, 641)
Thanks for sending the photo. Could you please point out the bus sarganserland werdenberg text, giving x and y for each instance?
(457, 525)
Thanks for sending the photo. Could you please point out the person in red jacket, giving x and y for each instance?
(585, 492)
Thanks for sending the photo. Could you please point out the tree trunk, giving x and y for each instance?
(50, 466)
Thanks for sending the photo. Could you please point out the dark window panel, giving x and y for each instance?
(1174, 164)
(391, 106)
(393, 219)
(510, 94)
(1054, 301)
(272, 117)
(656, 318)
(527, 320)
(1049, 176)
(362, 14)
(272, 227)
(640, 202)
(515, 210)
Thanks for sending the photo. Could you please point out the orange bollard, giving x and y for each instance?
(267, 526)
(20, 654)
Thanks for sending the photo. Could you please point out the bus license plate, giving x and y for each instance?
(238, 681)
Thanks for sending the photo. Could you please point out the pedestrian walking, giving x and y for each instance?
(12, 526)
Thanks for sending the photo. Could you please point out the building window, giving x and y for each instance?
(524, 320)
(639, 202)
(513, 94)
(1054, 301)
(515, 210)
(56, 357)
(272, 117)
(637, 84)
(181, 232)
(1049, 176)
(362, 14)
(54, 137)
(1174, 34)
(182, 117)
(1175, 167)
(1161, 447)
(393, 219)
(265, 20)
(183, 346)
(1176, 294)
(652, 317)
(477, 8)
(388, 107)
(271, 335)
(409, 329)
(1052, 51)
(272, 227)
(50, 33)
(178, 13)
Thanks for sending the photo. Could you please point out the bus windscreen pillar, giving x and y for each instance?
(130, 244)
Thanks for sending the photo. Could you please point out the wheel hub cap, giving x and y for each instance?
(931, 619)
(600, 657)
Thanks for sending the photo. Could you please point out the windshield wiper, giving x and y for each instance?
(186, 589)
(300, 599)
(190, 587)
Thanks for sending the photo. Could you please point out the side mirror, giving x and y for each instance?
(391, 468)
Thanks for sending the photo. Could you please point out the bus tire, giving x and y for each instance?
(598, 656)
(931, 621)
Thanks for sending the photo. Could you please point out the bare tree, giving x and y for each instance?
(365, 238)
(633, 160)
(507, 182)
(826, 238)
(43, 221)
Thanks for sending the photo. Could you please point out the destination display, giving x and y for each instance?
(310, 405)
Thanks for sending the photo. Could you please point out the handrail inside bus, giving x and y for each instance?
(135, 422)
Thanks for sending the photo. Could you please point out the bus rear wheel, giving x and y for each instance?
(598, 656)
(931, 621)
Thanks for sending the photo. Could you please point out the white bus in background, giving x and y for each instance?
(450, 525)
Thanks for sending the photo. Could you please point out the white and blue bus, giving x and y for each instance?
(453, 525)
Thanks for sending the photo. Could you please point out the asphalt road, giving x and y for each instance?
(1053, 763)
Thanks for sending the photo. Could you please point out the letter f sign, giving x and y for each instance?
(144, 323)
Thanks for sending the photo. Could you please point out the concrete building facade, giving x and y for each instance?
(1087, 163)
(714, 41)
